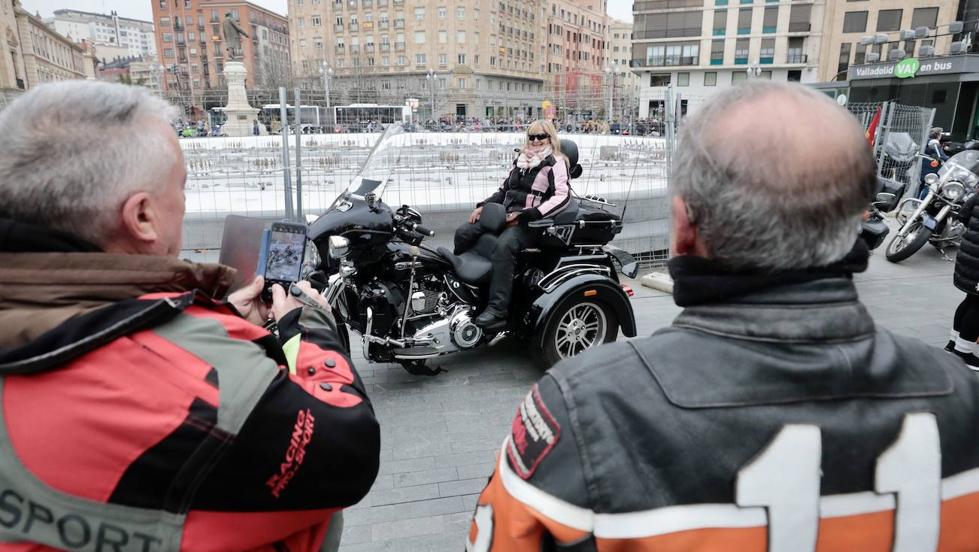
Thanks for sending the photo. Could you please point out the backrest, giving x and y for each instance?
(485, 245)
(570, 150)
(493, 218)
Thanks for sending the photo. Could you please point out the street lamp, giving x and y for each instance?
(432, 77)
(327, 73)
(610, 71)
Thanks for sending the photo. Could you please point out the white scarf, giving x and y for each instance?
(530, 157)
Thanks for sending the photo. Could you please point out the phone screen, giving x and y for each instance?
(285, 254)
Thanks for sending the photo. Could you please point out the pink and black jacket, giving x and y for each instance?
(536, 193)
(163, 420)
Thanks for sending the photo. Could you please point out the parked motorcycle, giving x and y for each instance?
(411, 302)
(932, 219)
(873, 229)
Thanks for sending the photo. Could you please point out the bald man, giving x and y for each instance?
(773, 414)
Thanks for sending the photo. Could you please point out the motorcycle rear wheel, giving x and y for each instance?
(578, 325)
(902, 247)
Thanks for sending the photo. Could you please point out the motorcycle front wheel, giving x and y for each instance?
(578, 325)
(903, 246)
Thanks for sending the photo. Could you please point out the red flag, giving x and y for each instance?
(872, 129)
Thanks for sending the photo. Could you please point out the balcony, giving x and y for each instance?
(354, 27)
(382, 26)
(744, 30)
(796, 57)
(720, 2)
(741, 60)
(719, 32)
(797, 27)
(670, 61)
(385, 48)
(768, 30)
(717, 62)
(339, 28)
(766, 60)
(399, 46)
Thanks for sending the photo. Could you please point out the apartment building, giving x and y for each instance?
(12, 77)
(134, 35)
(191, 48)
(701, 46)
(48, 56)
(575, 56)
(625, 83)
(459, 58)
(849, 22)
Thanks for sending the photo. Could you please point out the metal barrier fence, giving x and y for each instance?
(901, 134)
(443, 175)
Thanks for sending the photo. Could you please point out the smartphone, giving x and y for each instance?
(280, 260)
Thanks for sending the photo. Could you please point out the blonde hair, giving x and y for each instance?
(546, 127)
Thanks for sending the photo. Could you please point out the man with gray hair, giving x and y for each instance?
(773, 414)
(138, 410)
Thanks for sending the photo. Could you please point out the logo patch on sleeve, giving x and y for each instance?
(533, 435)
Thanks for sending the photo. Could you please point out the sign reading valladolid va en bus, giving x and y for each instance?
(907, 68)
(913, 67)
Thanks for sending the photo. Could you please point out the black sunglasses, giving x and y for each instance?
(538, 136)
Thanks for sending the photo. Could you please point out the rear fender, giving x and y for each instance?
(543, 309)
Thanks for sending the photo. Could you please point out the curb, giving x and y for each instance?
(659, 281)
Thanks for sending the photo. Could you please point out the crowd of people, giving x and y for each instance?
(144, 405)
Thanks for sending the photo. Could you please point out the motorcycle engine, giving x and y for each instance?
(386, 302)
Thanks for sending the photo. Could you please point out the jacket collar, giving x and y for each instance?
(814, 305)
(47, 278)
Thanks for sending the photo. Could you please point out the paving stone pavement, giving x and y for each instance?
(440, 435)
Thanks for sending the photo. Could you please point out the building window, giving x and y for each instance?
(461, 12)
(443, 59)
(889, 20)
(443, 37)
(419, 13)
(924, 17)
(317, 21)
(683, 79)
(770, 22)
(720, 22)
(419, 37)
(710, 78)
(460, 37)
(673, 54)
(420, 59)
(717, 52)
(462, 59)
(741, 51)
(767, 53)
(738, 77)
(855, 22)
(800, 16)
(744, 21)
(860, 54)
(659, 80)
(441, 12)
(671, 25)
(844, 62)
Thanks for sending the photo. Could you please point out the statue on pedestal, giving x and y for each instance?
(232, 37)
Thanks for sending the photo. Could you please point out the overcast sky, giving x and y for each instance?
(141, 9)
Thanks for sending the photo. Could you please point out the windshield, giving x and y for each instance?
(380, 163)
(962, 167)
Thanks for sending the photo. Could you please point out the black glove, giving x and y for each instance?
(529, 215)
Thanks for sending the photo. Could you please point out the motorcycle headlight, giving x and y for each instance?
(931, 179)
(953, 191)
(339, 246)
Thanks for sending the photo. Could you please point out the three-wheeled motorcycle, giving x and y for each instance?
(412, 302)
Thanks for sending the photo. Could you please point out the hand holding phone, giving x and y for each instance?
(281, 258)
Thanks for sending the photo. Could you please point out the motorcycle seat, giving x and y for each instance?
(474, 266)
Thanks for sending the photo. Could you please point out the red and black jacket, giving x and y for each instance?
(170, 422)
